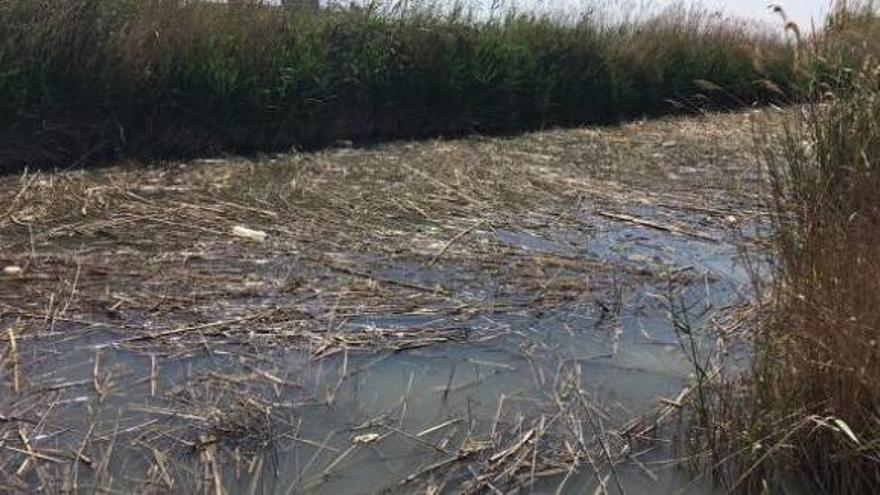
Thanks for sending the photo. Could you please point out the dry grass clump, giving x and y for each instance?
(85, 80)
(809, 411)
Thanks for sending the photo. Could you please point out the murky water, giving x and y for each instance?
(264, 419)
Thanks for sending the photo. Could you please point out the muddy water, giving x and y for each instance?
(365, 422)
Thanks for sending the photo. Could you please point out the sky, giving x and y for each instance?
(800, 11)
(803, 12)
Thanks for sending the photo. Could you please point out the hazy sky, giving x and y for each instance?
(803, 12)
(800, 11)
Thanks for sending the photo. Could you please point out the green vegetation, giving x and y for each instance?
(808, 412)
(85, 80)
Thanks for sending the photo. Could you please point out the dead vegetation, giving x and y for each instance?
(172, 296)
(803, 414)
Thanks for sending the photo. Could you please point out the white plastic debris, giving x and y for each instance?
(12, 270)
(251, 234)
(841, 424)
(365, 439)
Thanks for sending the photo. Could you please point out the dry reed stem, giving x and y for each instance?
(14, 358)
(165, 279)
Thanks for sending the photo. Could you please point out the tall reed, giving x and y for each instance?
(808, 413)
(90, 79)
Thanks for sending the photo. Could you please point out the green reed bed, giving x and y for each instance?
(85, 80)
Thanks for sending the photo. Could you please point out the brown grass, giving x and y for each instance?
(808, 413)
